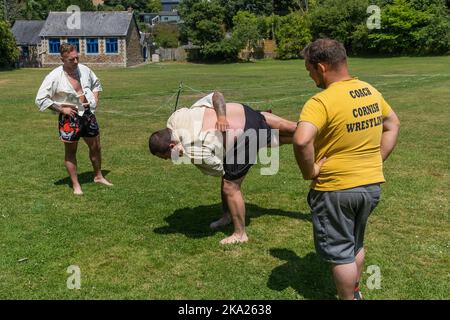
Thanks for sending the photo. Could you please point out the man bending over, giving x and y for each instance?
(222, 139)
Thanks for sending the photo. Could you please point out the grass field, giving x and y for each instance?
(148, 236)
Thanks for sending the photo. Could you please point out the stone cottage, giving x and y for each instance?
(103, 39)
(26, 33)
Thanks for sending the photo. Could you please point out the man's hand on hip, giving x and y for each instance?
(317, 167)
(68, 110)
(222, 124)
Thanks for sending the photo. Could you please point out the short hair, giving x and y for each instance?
(159, 141)
(327, 51)
(66, 48)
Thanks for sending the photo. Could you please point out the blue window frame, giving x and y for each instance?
(53, 45)
(112, 45)
(91, 45)
(74, 42)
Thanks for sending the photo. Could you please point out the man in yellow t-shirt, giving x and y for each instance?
(344, 135)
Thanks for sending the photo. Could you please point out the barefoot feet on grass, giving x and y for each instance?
(103, 181)
(234, 238)
(77, 190)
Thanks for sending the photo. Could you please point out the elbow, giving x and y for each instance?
(300, 143)
(38, 103)
(217, 94)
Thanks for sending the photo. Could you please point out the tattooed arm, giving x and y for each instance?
(220, 108)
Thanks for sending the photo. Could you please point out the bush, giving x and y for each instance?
(166, 35)
(245, 31)
(9, 53)
(435, 37)
(338, 19)
(225, 50)
(406, 30)
(292, 35)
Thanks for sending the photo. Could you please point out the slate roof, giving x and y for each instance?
(93, 24)
(27, 32)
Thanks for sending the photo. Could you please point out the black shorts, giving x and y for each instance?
(257, 134)
(71, 129)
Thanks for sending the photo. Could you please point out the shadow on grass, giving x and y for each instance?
(309, 276)
(194, 222)
(83, 178)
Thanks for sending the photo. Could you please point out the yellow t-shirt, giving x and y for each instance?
(349, 118)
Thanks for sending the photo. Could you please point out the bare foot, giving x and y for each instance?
(102, 180)
(77, 191)
(225, 220)
(234, 238)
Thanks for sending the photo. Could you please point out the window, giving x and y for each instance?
(53, 45)
(91, 45)
(25, 52)
(74, 42)
(112, 45)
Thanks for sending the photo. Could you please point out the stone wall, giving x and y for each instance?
(102, 59)
(32, 60)
(134, 53)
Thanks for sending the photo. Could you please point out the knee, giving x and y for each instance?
(230, 188)
(70, 153)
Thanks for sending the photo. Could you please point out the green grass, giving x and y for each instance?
(148, 236)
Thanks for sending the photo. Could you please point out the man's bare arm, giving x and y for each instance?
(96, 96)
(64, 109)
(304, 150)
(220, 107)
(391, 128)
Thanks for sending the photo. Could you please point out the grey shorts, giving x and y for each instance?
(339, 221)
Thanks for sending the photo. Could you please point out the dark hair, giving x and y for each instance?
(326, 51)
(66, 48)
(159, 141)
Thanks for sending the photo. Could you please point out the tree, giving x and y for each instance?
(9, 52)
(33, 10)
(166, 35)
(400, 23)
(202, 21)
(257, 7)
(153, 6)
(292, 35)
(11, 10)
(338, 19)
(137, 5)
(435, 37)
(203, 25)
(245, 30)
(284, 7)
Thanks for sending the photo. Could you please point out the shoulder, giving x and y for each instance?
(318, 99)
(176, 117)
(85, 69)
(372, 89)
(206, 101)
(55, 72)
